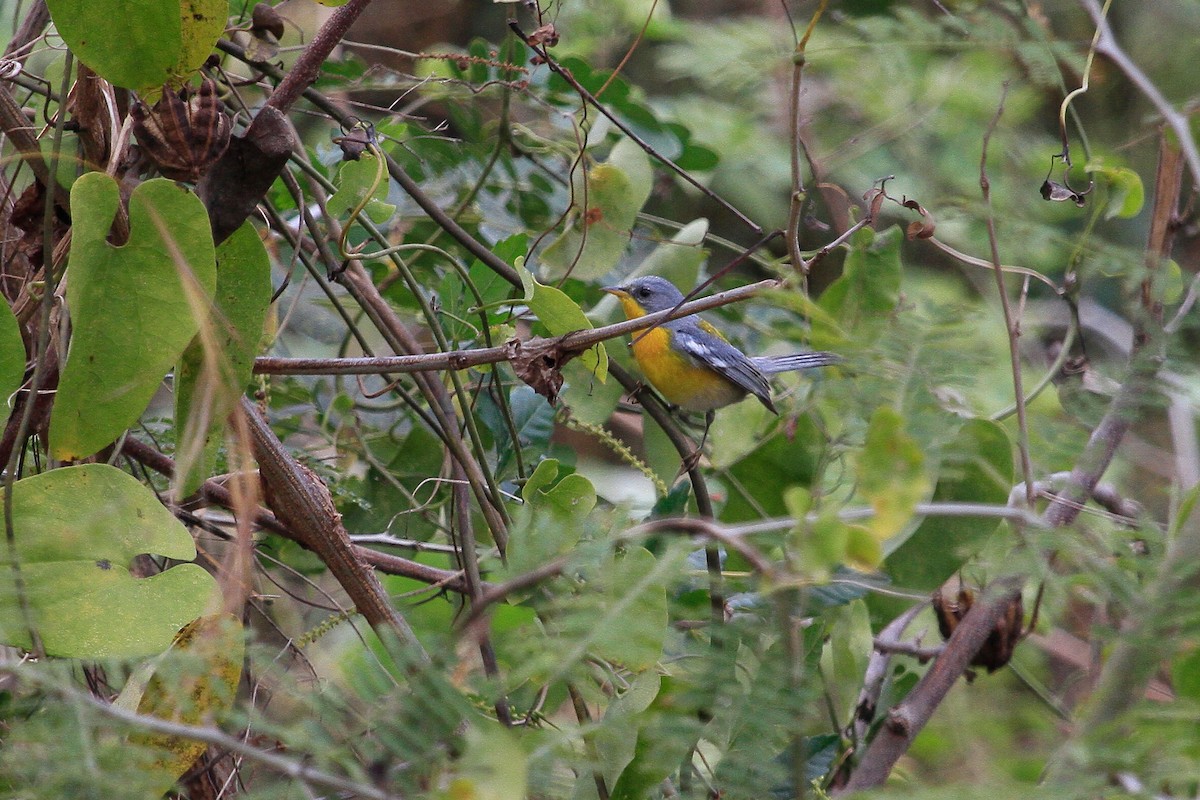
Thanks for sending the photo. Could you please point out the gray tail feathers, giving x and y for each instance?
(796, 361)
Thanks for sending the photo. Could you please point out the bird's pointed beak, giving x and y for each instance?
(616, 290)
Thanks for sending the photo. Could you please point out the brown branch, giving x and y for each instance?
(217, 493)
(1144, 363)
(410, 186)
(307, 68)
(303, 503)
(567, 345)
(30, 30)
(356, 280)
(905, 720)
(240, 179)
(1011, 324)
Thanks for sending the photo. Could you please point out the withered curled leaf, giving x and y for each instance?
(539, 363)
(1056, 192)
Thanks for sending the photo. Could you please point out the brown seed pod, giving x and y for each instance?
(184, 132)
(998, 648)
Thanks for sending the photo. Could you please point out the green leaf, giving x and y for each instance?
(665, 738)
(844, 658)
(783, 461)
(492, 768)
(133, 50)
(868, 291)
(609, 199)
(679, 258)
(12, 357)
(550, 522)
(977, 467)
(134, 308)
(560, 314)
(891, 473)
(633, 623)
(140, 48)
(1126, 195)
(616, 735)
(1185, 676)
(1168, 283)
(533, 420)
(618, 614)
(360, 180)
(214, 370)
(573, 497)
(77, 530)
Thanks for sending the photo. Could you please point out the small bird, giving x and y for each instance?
(690, 363)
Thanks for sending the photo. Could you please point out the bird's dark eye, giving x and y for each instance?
(643, 291)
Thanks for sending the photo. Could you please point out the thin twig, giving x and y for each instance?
(1011, 324)
(620, 125)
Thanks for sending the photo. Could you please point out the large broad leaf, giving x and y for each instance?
(12, 358)
(762, 478)
(977, 467)
(77, 530)
(142, 45)
(217, 365)
(361, 183)
(629, 625)
(610, 199)
(493, 766)
(195, 680)
(666, 736)
(550, 522)
(134, 308)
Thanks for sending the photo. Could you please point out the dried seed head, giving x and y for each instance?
(184, 132)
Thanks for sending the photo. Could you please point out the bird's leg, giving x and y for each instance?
(694, 458)
(709, 416)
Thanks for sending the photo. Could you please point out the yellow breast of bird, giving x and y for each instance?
(679, 379)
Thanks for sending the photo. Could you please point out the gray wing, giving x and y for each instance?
(727, 360)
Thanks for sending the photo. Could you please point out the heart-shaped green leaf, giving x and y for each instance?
(134, 308)
(141, 47)
(77, 530)
(217, 365)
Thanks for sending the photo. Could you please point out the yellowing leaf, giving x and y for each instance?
(493, 766)
(141, 46)
(891, 474)
(196, 679)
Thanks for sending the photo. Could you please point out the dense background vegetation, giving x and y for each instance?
(264, 538)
